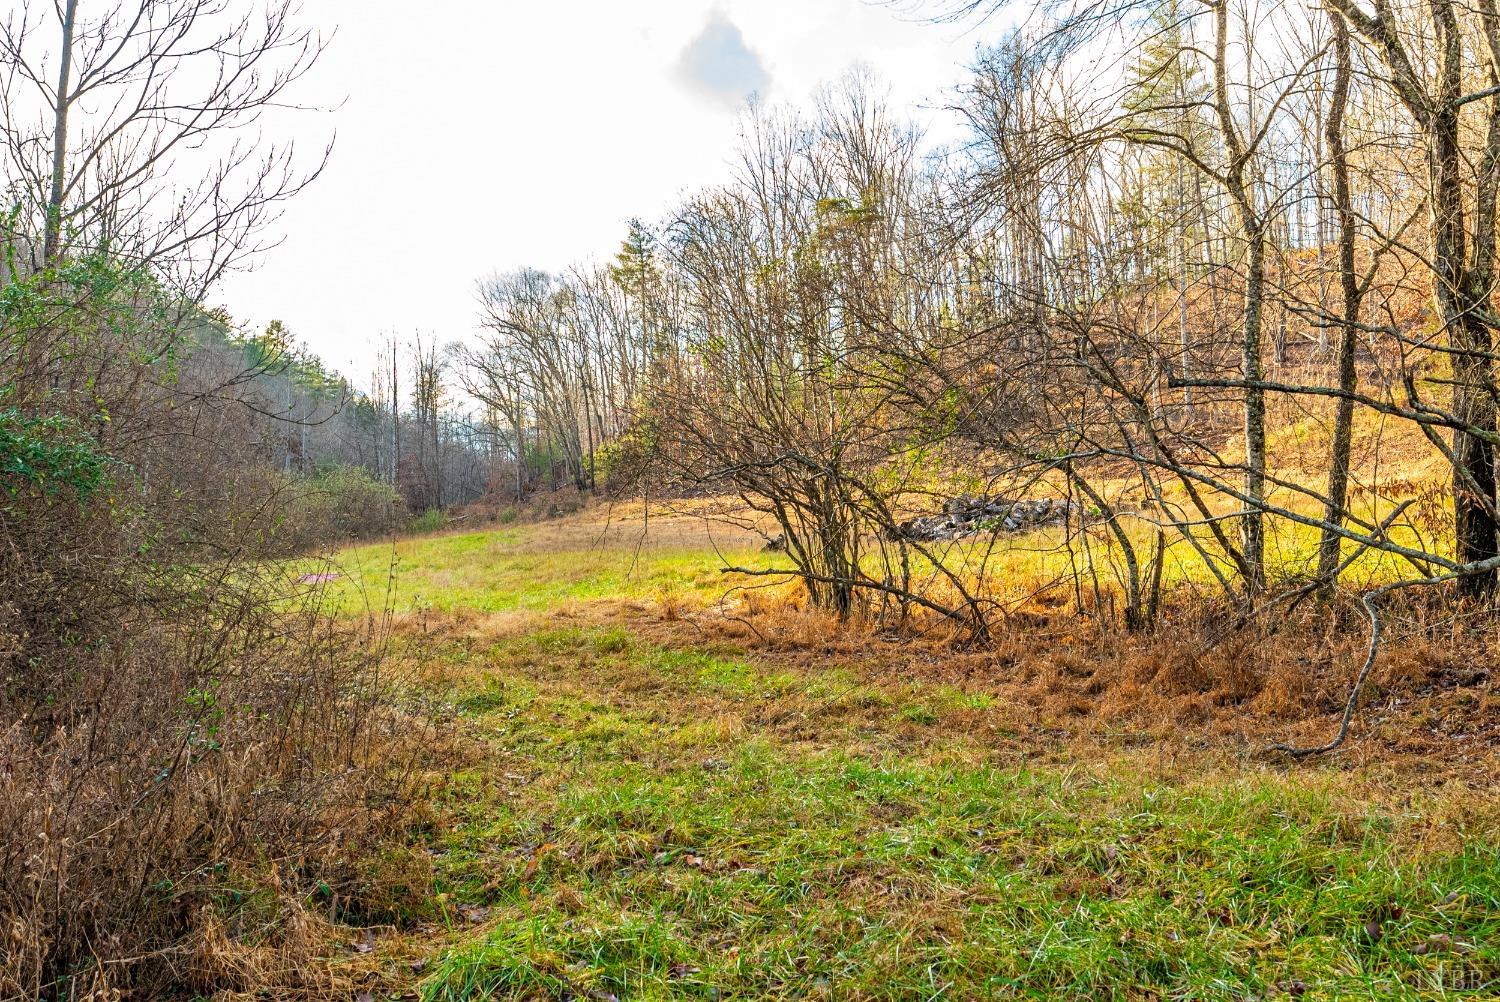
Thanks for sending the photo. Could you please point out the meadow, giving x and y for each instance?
(662, 785)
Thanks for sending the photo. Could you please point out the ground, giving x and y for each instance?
(666, 787)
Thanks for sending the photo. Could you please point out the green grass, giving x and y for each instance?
(489, 572)
(642, 866)
(508, 570)
(685, 820)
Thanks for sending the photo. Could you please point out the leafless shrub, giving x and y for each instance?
(179, 741)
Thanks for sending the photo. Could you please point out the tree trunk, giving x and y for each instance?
(1474, 527)
(52, 242)
(1461, 286)
(395, 416)
(1253, 526)
(1330, 548)
(1252, 226)
(1184, 342)
(1462, 305)
(520, 440)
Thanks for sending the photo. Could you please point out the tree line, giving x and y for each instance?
(1176, 231)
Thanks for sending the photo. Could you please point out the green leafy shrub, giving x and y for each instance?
(340, 503)
(621, 464)
(50, 454)
(355, 505)
(431, 520)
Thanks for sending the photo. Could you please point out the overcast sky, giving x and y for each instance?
(481, 135)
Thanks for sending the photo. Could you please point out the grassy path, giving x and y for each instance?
(654, 813)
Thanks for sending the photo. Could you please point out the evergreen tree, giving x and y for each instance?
(1167, 105)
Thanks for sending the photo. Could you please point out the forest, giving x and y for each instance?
(1063, 562)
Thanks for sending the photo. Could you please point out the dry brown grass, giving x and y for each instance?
(1060, 684)
(1192, 682)
(192, 764)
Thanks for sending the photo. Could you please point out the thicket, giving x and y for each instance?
(195, 755)
(195, 758)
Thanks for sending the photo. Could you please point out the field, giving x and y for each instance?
(665, 786)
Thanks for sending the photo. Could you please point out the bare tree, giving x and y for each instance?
(167, 168)
(1431, 86)
(1330, 546)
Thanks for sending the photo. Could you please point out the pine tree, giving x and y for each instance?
(1166, 105)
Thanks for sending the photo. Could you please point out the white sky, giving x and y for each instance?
(484, 135)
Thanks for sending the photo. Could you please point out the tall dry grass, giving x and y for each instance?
(194, 758)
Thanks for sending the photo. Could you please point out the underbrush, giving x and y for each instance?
(431, 520)
(1283, 672)
(196, 758)
(344, 503)
(1208, 670)
(536, 507)
(273, 514)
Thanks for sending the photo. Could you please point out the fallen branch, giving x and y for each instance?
(1368, 600)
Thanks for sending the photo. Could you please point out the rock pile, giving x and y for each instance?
(969, 516)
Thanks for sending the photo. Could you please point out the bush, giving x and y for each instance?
(357, 505)
(48, 455)
(431, 520)
(288, 515)
(346, 502)
(621, 466)
(192, 751)
(194, 757)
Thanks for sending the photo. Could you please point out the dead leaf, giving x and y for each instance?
(536, 858)
(473, 913)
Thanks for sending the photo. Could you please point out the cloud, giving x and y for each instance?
(718, 65)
